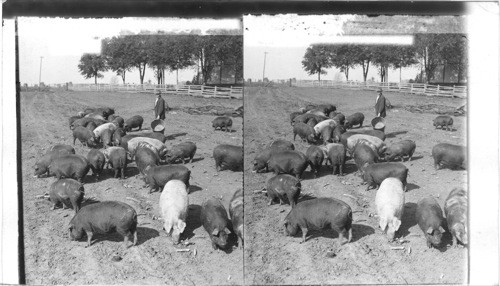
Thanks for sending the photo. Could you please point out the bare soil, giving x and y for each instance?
(50, 256)
(273, 258)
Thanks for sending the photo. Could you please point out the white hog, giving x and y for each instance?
(379, 144)
(320, 126)
(390, 202)
(174, 204)
(98, 131)
(156, 144)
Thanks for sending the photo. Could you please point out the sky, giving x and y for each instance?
(61, 42)
(285, 38)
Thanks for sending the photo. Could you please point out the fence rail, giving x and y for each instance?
(415, 88)
(193, 90)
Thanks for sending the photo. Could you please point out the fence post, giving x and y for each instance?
(215, 91)
(411, 87)
(453, 91)
(438, 90)
(425, 88)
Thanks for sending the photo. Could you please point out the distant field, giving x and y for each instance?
(273, 258)
(51, 258)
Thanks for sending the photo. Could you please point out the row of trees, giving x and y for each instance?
(429, 51)
(212, 56)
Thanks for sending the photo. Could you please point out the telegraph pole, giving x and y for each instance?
(264, 70)
(40, 74)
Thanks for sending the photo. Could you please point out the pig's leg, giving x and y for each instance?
(454, 241)
(304, 233)
(89, 238)
(135, 237)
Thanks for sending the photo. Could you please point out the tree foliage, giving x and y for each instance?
(118, 54)
(91, 65)
(316, 59)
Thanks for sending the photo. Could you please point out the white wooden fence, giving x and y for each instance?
(193, 90)
(415, 88)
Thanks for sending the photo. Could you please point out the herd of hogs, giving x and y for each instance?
(324, 129)
(112, 144)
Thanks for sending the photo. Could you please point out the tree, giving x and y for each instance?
(91, 65)
(181, 53)
(343, 57)
(405, 57)
(118, 55)
(157, 55)
(139, 53)
(316, 60)
(363, 57)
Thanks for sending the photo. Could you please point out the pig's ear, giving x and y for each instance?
(215, 231)
(383, 223)
(429, 230)
(396, 223)
(441, 229)
(227, 230)
(181, 225)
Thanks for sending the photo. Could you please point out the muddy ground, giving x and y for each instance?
(51, 258)
(273, 258)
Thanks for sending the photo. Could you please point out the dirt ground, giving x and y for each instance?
(51, 258)
(273, 258)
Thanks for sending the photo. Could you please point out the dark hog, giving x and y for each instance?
(339, 118)
(117, 136)
(375, 133)
(305, 132)
(42, 166)
(443, 121)
(315, 159)
(310, 107)
(336, 157)
(95, 116)
(107, 137)
(152, 135)
(455, 209)
(354, 119)
(293, 115)
(104, 111)
(88, 110)
(60, 147)
(104, 217)
(289, 162)
(116, 157)
(84, 121)
(332, 114)
(214, 220)
(284, 144)
(320, 213)
(118, 121)
(70, 166)
(228, 157)
(429, 217)
(180, 152)
(449, 156)
(91, 126)
(376, 173)
(68, 193)
(363, 155)
(306, 116)
(73, 119)
(124, 140)
(223, 123)
(260, 162)
(157, 176)
(112, 117)
(97, 160)
(337, 133)
(400, 149)
(327, 134)
(326, 108)
(85, 136)
(133, 122)
(284, 187)
(312, 122)
(144, 157)
(236, 214)
(318, 112)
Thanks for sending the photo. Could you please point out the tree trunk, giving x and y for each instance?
(123, 77)
(177, 76)
(365, 70)
(399, 74)
(444, 71)
(346, 72)
(220, 74)
(319, 76)
(95, 79)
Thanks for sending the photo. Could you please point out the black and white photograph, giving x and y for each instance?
(357, 149)
(132, 140)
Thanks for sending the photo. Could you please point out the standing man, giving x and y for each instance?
(380, 104)
(160, 106)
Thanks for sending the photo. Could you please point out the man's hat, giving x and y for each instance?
(380, 90)
(158, 92)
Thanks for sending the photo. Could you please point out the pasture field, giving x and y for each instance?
(273, 258)
(50, 256)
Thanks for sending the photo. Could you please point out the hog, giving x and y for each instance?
(364, 156)
(116, 157)
(443, 121)
(68, 193)
(293, 115)
(42, 166)
(60, 147)
(449, 156)
(97, 160)
(280, 143)
(375, 133)
(337, 133)
(133, 122)
(320, 213)
(429, 217)
(88, 110)
(236, 214)
(312, 122)
(117, 136)
(214, 220)
(180, 152)
(70, 166)
(390, 201)
(91, 126)
(310, 107)
(455, 209)
(81, 114)
(315, 159)
(354, 119)
(284, 187)
(73, 119)
(85, 136)
(379, 144)
(118, 121)
(174, 204)
(145, 157)
(305, 117)
(261, 160)
(321, 125)
(95, 116)
(104, 217)
(317, 112)
(228, 157)
(106, 126)
(336, 157)
(327, 134)
(339, 118)
(106, 137)
(376, 173)
(326, 108)
(157, 176)
(86, 120)
(222, 122)
(153, 135)
(400, 149)
(290, 162)
(157, 145)
(112, 117)
(305, 132)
